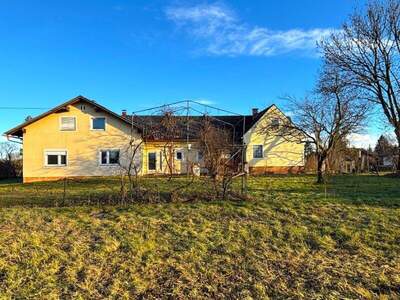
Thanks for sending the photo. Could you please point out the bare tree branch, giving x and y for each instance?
(367, 53)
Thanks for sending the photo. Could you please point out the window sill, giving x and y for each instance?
(55, 166)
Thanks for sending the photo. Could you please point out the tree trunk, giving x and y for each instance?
(397, 161)
(320, 162)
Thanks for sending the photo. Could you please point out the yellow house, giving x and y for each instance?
(272, 153)
(81, 138)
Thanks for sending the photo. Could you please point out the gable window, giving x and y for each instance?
(55, 158)
(98, 123)
(258, 151)
(109, 157)
(68, 123)
(179, 155)
(275, 123)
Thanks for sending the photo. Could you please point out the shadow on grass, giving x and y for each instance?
(366, 190)
(369, 190)
(10, 180)
(357, 190)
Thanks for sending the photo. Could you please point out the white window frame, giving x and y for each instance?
(97, 117)
(176, 154)
(76, 123)
(262, 151)
(58, 153)
(108, 157)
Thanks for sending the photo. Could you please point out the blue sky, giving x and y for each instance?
(137, 54)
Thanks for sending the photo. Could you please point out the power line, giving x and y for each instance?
(21, 108)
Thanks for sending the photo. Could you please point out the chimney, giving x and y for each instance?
(254, 112)
(123, 113)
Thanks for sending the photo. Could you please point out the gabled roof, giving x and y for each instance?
(17, 131)
(235, 122)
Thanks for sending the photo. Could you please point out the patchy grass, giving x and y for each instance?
(294, 240)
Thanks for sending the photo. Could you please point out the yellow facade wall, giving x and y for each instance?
(277, 151)
(83, 145)
(164, 159)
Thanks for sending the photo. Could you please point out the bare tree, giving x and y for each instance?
(221, 157)
(366, 52)
(164, 129)
(324, 119)
(169, 132)
(10, 161)
(131, 167)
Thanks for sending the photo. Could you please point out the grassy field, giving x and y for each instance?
(294, 239)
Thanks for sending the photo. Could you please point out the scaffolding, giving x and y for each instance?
(188, 117)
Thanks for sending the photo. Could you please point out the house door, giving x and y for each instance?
(179, 162)
(152, 161)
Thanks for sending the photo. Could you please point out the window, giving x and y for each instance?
(200, 156)
(67, 123)
(152, 161)
(109, 157)
(99, 123)
(275, 123)
(258, 151)
(161, 159)
(179, 155)
(55, 158)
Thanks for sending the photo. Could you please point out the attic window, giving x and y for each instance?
(275, 123)
(258, 151)
(68, 124)
(99, 123)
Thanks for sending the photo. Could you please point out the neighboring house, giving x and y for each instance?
(387, 162)
(348, 160)
(357, 160)
(81, 138)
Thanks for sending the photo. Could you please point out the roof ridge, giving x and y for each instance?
(57, 108)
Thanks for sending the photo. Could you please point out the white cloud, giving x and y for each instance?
(363, 140)
(219, 27)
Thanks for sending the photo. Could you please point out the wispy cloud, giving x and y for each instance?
(205, 102)
(363, 140)
(223, 33)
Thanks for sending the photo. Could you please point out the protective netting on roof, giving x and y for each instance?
(184, 121)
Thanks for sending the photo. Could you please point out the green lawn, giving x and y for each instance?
(294, 239)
